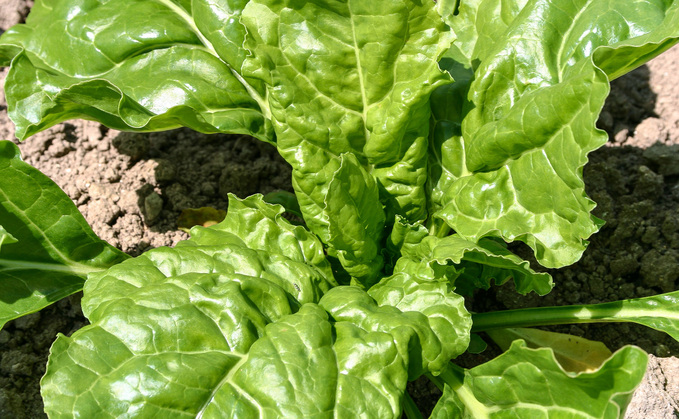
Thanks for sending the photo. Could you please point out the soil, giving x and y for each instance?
(132, 187)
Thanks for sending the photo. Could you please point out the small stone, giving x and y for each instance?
(103, 145)
(621, 136)
(153, 205)
(661, 350)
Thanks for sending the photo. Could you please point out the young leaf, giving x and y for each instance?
(403, 239)
(355, 221)
(349, 77)
(529, 122)
(47, 249)
(523, 383)
(238, 321)
(476, 264)
(143, 66)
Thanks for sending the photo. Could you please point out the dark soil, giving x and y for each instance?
(132, 188)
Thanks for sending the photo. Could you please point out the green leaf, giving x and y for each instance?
(660, 312)
(575, 354)
(356, 221)
(474, 265)
(403, 239)
(286, 199)
(349, 77)
(142, 66)
(510, 141)
(447, 316)
(529, 383)
(241, 321)
(476, 344)
(47, 249)
(5, 237)
(254, 224)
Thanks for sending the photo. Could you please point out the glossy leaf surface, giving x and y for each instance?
(142, 66)
(47, 249)
(511, 138)
(356, 221)
(471, 265)
(242, 320)
(349, 77)
(527, 383)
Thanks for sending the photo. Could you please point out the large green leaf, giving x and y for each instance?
(47, 249)
(349, 77)
(530, 383)
(510, 141)
(132, 65)
(242, 321)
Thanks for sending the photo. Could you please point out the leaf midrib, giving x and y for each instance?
(359, 68)
(565, 37)
(70, 263)
(264, 106)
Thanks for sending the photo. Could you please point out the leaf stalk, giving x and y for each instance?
(546, 316)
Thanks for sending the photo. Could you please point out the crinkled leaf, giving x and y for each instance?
(349, 77)
(529, 383)
(254, 224)
(474, 265)
(402, 239)
(141, 65)
(46, 246)
(355, 221)
(238, 324)
(447, 316)
(449, 103)
(511, 140)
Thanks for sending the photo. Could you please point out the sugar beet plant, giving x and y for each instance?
(423, 136)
